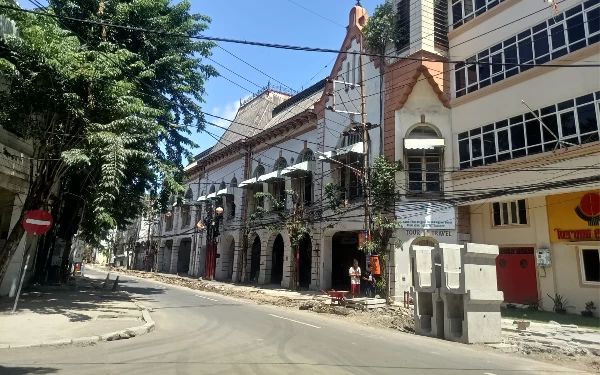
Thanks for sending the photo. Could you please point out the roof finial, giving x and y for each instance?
(358, 3)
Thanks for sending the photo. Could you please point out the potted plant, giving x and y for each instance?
(561, 304)
(589, 309)
(533, 304)
(511, 306)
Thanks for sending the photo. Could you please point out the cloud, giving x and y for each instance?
(228, 111)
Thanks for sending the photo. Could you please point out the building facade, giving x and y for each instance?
(525, 134)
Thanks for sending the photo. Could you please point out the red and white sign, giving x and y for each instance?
(37, 222)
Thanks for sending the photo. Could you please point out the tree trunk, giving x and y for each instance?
(33, 201)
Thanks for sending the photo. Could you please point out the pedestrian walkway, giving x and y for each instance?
(66, 314)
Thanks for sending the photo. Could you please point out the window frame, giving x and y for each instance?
(423, 162)
(541, 30)
(474, 13)
(582, 265)
(549, 115)
(509, 212)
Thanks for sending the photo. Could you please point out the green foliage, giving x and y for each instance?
(381, 29)
(333, 197)
(561, 304)
(109, 111)
(383, 184)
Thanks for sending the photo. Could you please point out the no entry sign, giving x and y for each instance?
(37, 222)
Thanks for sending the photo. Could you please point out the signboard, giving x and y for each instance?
(426, 215)
(37, 222)
(363, 236)
(574, 216)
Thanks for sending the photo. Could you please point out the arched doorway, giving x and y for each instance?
(255, 259)
(166, 258)
(277, 260)
(305, 250)
(183, 258)
(344, 247)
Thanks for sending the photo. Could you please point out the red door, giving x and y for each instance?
(515, 269)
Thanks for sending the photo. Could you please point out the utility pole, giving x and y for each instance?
(363, 110)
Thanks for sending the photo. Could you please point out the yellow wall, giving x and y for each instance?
(564, 222)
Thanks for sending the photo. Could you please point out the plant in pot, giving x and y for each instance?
(589, 309)
(561, 304)
(533, 304)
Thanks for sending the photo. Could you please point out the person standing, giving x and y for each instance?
(355, 279)
(369, 282)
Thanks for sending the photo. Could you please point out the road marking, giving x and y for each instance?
(488, 373)
(295, 321)
(210, 299)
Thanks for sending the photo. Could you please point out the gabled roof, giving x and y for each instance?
(297, 104)
(251, 118)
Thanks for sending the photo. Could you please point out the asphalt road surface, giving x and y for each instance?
(204, 333)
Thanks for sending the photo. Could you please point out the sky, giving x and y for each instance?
(309, 23)
(314, 23)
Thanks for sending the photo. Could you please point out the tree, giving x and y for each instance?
(101, 105)
(381, 30)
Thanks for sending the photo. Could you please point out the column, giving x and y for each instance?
(174, 258)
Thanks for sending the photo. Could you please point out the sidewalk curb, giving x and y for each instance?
(123, 334)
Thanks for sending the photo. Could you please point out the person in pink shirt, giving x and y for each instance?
(355, 274)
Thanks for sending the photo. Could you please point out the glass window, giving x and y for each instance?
(586, 116)
(497, 62)
(472, 74)
(489, 144)
(533, 131)
(503, 144)
(557, 35)
(540, 44)
(576, 28)
(509, 213)
(476, 151)
(457, 14)
(590, 264)
(517, 136)
(525, 51)
(593, 21)
(460, 79)
(567, 124)
(552, 123)
(463, 150)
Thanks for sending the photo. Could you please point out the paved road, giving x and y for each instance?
(204, 333)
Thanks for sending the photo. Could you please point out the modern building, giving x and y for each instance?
(526, 141)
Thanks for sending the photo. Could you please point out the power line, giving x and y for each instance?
(282, 46)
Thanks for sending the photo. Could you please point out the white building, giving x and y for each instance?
(530, 186)
(272, 145)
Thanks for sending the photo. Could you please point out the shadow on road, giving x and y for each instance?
(4, 370)
(77, 301)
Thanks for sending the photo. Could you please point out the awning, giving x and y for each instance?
(201, 198)
(356, 148)
(248, 183)
(270, 177)
(423, 143)
(298, 170)
(212, 196)
(227, 191)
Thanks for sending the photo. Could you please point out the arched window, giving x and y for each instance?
(258, 171)
(233, 182)
(424, 163)
(306, 155)
(223, 185)
(424, 131)
(279, 164)
(189, 194)
(351, 137)
(212, 189)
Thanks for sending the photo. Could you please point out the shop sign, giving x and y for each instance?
(429, 233)
(574, 216)
(427, 215)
